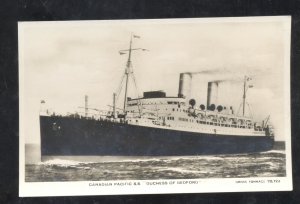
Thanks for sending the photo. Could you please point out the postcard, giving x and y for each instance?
(111, 107)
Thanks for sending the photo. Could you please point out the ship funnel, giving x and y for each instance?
(185, 80)
(212, 93)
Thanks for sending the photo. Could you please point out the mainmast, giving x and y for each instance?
(246, 86)
(244, 95)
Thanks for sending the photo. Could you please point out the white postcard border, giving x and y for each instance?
(32, 189)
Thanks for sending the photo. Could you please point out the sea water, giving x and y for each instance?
(263, 164)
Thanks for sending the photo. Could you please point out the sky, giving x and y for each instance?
(60, 62)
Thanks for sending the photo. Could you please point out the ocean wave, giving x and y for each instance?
(271, 163)
(207, 158)
(182, 170)
(274, 151)
(170, 159)
(63, 163)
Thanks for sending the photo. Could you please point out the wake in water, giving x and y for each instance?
(265, 164)
(61, 162)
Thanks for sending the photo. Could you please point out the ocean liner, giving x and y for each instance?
(155, 125)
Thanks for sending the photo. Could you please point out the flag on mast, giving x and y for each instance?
(136, 36)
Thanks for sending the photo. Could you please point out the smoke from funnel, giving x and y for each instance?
(222, 74)
(220, 81)
(211, 71)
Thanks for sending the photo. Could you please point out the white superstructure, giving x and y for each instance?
(174, 113)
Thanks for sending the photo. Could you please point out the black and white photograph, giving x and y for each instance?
(191, 105)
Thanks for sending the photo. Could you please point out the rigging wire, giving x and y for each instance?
(250, 110)
(238, 112)
(137, 93)
(120, 87)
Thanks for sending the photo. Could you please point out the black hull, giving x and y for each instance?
(65, 136)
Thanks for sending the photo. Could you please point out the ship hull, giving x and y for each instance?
(66, 136)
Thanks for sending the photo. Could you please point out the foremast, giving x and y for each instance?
(127, 74)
